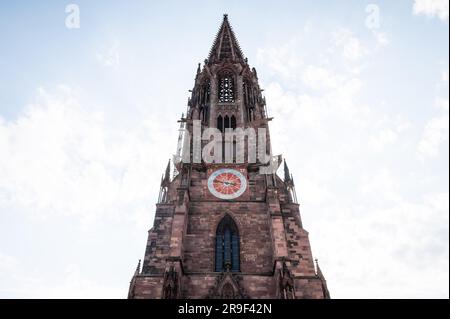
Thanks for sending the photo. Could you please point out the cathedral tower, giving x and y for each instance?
(226, 226)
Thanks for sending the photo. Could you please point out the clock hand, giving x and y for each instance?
(227, 183)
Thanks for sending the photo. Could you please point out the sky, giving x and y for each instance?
(88, 120)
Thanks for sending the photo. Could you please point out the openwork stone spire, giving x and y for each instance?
(225, 47)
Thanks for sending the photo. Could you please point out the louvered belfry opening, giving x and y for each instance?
(227, 246)
(226, 88)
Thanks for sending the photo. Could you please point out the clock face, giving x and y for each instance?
(227, 183)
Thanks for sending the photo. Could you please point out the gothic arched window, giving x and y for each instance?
(206, 92)
(250, 114)
(233, 122)
(220, 123)
(226, 121)
(204, 114)
(227, 246)
(226, 88)
(227, 291)
(246, 91)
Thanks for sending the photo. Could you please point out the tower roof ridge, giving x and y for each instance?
(225, 45)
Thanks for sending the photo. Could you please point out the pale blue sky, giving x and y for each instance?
(88, 122)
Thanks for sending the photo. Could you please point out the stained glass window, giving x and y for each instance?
(227, 246)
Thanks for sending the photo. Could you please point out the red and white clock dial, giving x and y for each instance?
(227, 183)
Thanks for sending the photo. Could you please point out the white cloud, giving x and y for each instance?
(389, 132)
(110, 57)
(349, 162)
(432, 8)
(444, 76)
(281, 59)
(434, 135)
(409, 243)
(76, 286)
(436, 132)
(25, 282)
(382, 38)
(66, 163)
(351, 46)
(7, 263)
(442, 103)
(386, 136)
(60, 157)
(319, 78)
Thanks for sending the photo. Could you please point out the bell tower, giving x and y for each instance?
(226, 226)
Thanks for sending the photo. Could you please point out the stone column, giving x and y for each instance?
(240, 100)
(276, 223)
(178, 223)
(213, 101)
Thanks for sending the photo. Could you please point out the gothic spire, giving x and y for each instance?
(318, 271)
(138, 268)
(225, 46)
(166, 179)
(198, 71)
(167, 175)
(326, 293)
(287, 175)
